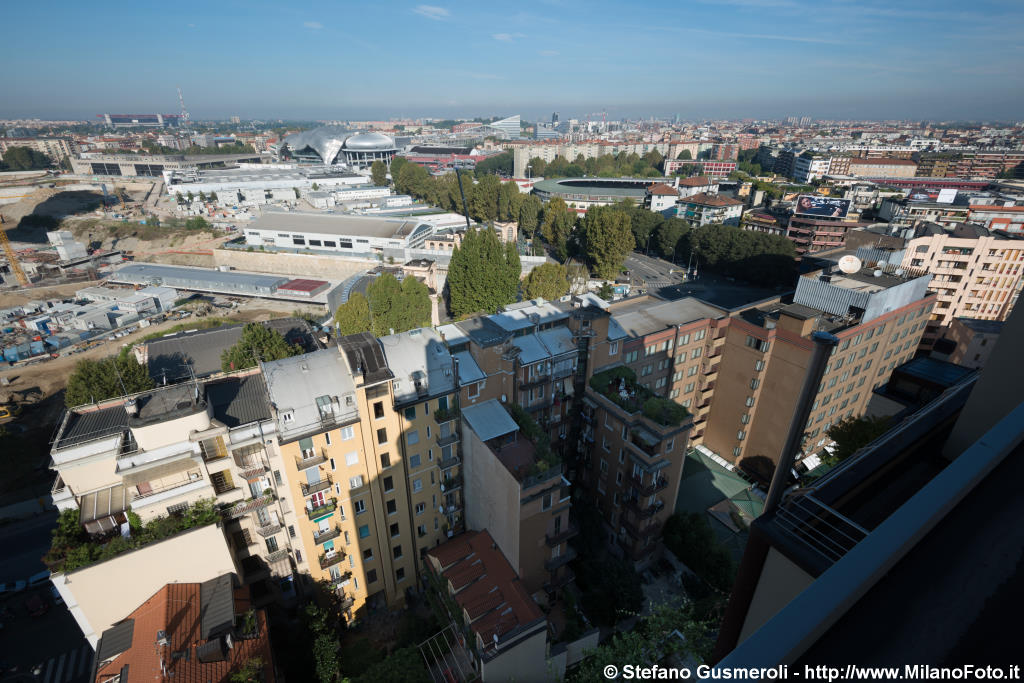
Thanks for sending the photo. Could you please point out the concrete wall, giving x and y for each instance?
(527, 661)
(102, 594)
(781, 581)
(492, 496)
(301, 265)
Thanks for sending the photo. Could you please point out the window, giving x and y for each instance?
(545, 503)
(364, 531)
(696, 352)
(736, 452)
(332, 465)
(676, 376)
(755, 383)
(410, 413)
(604, 467)
(622, 456)
(741, 435)
(758, 366)
(359, 506)
(382, 435)
(355, 482)
(474, 390)
(277, 478)
(697, 336)
(378, 410)
(613, 348)
(400, 574)
(367, 554)
(271, 545)
(692, 371)
(658, 384)
(396, 552)
(745, 418)
(413, 437)
(389, 484)
(352, 458)
(646, 370)
(371, 576)
(750, 402)
(687, 402)
(385, 461)
(393, 530)
(689, 387)
(683, 339)
(420, 508)
(618, 477)
(392, 506)
(674, 393)
(327, 438)
(414, 461)
(417, 485)
(631, 356)
(347, 433)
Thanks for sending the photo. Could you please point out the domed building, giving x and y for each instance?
(334, 146)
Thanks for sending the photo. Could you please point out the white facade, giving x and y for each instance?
(805, 170)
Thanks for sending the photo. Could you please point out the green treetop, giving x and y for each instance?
(546, 281)
(607, 239)
(96, 380)
(483, 274)
(258, 343)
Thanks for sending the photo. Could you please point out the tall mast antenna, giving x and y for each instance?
(185, 118)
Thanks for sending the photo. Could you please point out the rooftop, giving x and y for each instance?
(332, 224)
(315, 389)
(697, 181)
(486, 586)
(644, 316)
(365, 357)
(185, 615)
(151, 273)
(489, 420)
(983, 326)
(262, 173)
(239, 400)
(716, 200)
(421, 365)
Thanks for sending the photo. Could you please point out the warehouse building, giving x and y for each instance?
(256, 184)
(338, 233)
(152, 165)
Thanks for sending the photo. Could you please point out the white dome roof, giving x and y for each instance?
(369, 142)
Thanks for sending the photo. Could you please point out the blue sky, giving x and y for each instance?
(938, 59)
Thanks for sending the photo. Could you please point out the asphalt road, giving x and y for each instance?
(25, 542)
(656, 275)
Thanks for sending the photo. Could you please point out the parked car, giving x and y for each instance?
(40, 578)
(12, 587)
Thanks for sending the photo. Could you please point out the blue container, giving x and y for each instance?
(11, 353)
(36, 347)
(24, 350)
(55, 342)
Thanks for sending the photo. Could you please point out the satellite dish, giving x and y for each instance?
(900, 272)
(878, 273)
(849, 264)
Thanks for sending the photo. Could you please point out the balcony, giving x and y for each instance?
(642, 510)
(649, 488)
(449, 462)
(447, 415)
(268, 529)
(321, 510)
(537, 379)
(448, 440)
(563, 579)
(641, 530)
(565, 558)
(645, 445)
(562, 536)
(245, 507)
(337, 580)
(452, 483)
(346, 603)
(311, 460)
(310, 489)
(331, 559)
(277, 556)
(324, 536)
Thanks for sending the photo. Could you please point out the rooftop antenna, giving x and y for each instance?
(185, 118)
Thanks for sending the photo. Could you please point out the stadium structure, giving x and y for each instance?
(335, 146)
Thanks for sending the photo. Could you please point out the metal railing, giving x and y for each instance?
(310, 461)
(321, 510)
(562, 536)
(818, 527)
(334, 559)
(565, 558)
(324, 536)
(310, 489)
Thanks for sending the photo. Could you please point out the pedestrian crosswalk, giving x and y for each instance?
(68, 667)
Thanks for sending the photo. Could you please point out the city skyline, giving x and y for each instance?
(707, 60)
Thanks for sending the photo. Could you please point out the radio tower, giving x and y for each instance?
(185, 118)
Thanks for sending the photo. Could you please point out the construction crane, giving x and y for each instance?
(12, 258)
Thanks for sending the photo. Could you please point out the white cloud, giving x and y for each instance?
(508, 37)
(431, 12)
(549, 53)
(316, 25)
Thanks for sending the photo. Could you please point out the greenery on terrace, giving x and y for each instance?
(72, 548)
(663, 411)
(544, 457)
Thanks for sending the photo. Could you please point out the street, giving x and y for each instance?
(654, 272)
(656, 276)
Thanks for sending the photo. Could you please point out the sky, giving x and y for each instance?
(335, 59)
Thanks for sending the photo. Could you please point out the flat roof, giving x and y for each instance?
(983, 326)
(530, 349)
(419, 360)
(149, 272)
(469, 371)
(489, 420)
(333, 224)
(254, 174)
(239, 400)
(294, 385)
(640, 318)
(365, 357)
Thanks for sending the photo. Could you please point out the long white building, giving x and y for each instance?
(257, 183)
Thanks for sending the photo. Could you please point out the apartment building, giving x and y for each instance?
(835, 561)
(57, 149)
(976, 273)
(703, 208)
(810, 166)
(517, 491)
(158, 452)
(878, 167)
(906, 212)
(998, 217)
(969, 342)
(363, 448)
(811, 235)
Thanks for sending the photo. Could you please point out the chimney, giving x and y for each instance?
(131, 407)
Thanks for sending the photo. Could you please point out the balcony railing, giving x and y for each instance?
(324, 536)
(448, 440)
(268, 529)
(310, 489)
(322, 510)
(649, 488)
(245, 507)
(311, 460)
(277, 555)
(452, 483)
(345, 576)
(562, 536)
(649, 449)
(449, 462)
(331, 560)
(446, 415)
(560, 561)
(642, 510)
(563, 579)
(641, 530)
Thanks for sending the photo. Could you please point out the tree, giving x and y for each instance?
(854, 433)
(509, 198)
(500, 164)
(607, 239)
(668, 236)
(258, 343)
(546, 281)
(685, 154)
(353, 316)
(197, 223)
(404, 665)
(483, 274)
(97, 380)
(379, 173)
(25, 159)
(691, 539)
(530, 210)
(558, 224)
(251, 672)
(397, 307)
(396, 167)
(483, 199)
(606, 291)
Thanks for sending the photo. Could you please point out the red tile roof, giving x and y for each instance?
(662, 189)
(995, 209)
(696, 181)
(881, 161)
(174, 609)
(485, 585)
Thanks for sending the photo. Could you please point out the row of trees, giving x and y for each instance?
(483, 274)
(388, 307)
(606, 166)
(24, 159)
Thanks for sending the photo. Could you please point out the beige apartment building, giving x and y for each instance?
(976, 273)
(55, 148)
(158, 452)
(362, 449)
